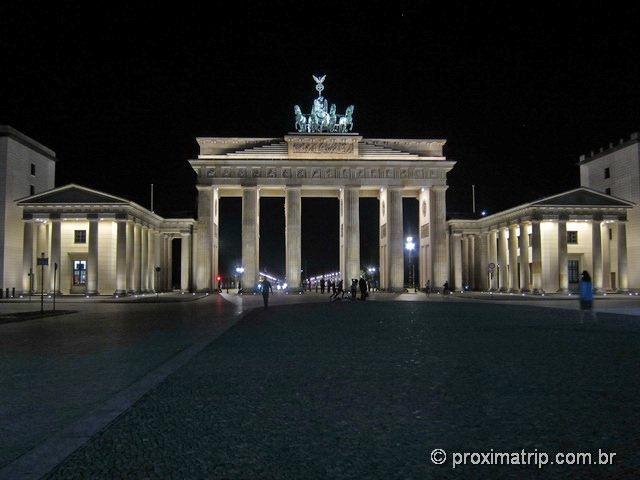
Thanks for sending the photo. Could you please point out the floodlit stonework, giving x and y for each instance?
(105, 244)
(616, 170)
(343, 166)
(26, 167)
(102, 244)
(543, 246)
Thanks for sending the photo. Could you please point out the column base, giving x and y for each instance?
(563, 290)
(92, 294)
(514, 290)
(120, 293)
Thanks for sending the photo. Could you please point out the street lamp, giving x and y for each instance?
(409, 245)
(372, 274)
(239, 271)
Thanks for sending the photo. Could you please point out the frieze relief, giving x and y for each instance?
(322, 147)
(323, 172)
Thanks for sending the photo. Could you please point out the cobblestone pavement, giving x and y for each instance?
(368, 390)
(56, 370)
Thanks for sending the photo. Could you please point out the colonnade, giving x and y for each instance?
(140, 250)
(515, 252)
(433, 252)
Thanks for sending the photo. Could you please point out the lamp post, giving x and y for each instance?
(410, 245)
(239, 271)
(372, 273)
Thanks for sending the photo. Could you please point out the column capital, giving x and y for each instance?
(439, 188)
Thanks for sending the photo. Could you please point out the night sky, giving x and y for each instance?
(121, 92)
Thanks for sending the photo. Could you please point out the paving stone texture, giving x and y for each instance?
(367, 390)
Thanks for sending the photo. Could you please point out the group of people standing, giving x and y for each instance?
(336, 288)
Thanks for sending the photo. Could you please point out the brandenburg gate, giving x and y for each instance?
(323, 158)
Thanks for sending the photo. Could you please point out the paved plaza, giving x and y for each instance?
(312, 389)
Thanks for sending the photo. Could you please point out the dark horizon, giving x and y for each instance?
(519, 94)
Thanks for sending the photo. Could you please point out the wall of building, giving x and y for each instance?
(15, 180)
(624, 182)
(70, 250)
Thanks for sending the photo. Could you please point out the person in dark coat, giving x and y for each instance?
(265, 287)
(363, 289)
(354, 289)
(322, 285)
(445, 288)
(586, 296)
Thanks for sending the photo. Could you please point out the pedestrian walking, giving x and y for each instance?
(322, 285)
(445, 288)
(363, 289)
(427, 288)
(265, 287)
(586, 296)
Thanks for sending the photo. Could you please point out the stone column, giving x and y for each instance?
(121, 258)
(293, 231)
(92, 258)
(55, 253)
(477, 267)
(203, 273)
(471, 264)
(425, 265)
(483, 267)
(162, 275)
(27, 258)
(438, 227)
(513, 258)
(250, 236)
(42, 246)
(150, 260)
(169, 269)
(606, 257)
(493, 258)
(157, 250)
(130, 262)
(395, 235)
(215, 240)
(623, 274)
(596, 255)
(457, 260)
(144, 258)
(502, 259)
(185, 253)
(137, 257)
(350, 233)
(563, 263)
(383, 238)
(536, 254)
(524, 258)
(465, 261)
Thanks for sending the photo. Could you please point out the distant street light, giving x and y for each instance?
(410, 246)
(239, 271)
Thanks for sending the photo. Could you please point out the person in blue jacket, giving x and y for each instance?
(586, 295)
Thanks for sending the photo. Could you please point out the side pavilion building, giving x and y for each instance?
(543, 246)
(102, 244)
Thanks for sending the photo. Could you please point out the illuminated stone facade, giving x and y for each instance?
(343, 166)
(543, 246)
